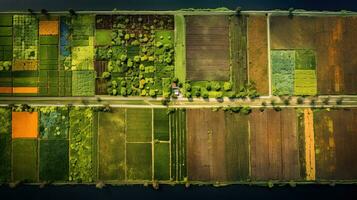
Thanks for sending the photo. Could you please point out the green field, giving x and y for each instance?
(139, 161)
(283, 64)
(53, 160)
(5, 157)
(139, 126)
(162, 161)
(161, 125)
(305, 82)
(112, 145)
(24, 160)
(81, 137)
(83, 83)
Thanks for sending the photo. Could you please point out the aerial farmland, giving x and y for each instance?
(188, 97)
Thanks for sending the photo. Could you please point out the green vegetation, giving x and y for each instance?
(161, 161)
(293, 72)
(5, 157)
(5, 120)
(80, 145)
(54, 122)
(139, 125)
(140, 56)
(138, 161)
(180, 48)
(161, 125)
(24, 160)
(53, 160)
(25, 41)
(83, 83)
(112, 144)
(283, 63)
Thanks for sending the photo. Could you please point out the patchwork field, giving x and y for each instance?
(333, 40)
(138, 145)
(293, 72)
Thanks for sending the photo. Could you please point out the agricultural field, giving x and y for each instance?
(138, 145)
(332, 38)
(275, 155)
(257, 52)
(335, 142)
(134, 54)
(293, 72)
(44, 53)
(141, 149)
(217, 145)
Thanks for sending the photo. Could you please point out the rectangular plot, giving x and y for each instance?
(258, 53)
(6, 31)
(6, 20)
(103, 37)
(5, 121)
(6, 40)
(305, 82)
(48, 40)
(238, 43)
(237, 147)
(83, 83)
(162, 161)
(139, 161)
(24, 160)
(335, 142)
(5, 157)
(81, 163)
(275, 153)
(180, 48)
(305, 59)
(53, 162)
(83, 58)
(206, 145)
(6, 53)
(161, 125)
(139, 125)
(48, 52)
(178, 145)
(48, 27)
(203, 50)
(283, 65)
(25, 65)
(54, 123)
(112, 145)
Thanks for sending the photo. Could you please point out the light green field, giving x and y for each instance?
(305, 82)
(180, 48)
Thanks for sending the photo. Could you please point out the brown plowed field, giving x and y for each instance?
(274, 145)
(258, 53)
(335, 144)
(333, 39)
(207, 48)
(217, 146)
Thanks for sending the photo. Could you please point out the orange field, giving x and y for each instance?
(24, 124)
(48, 28)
